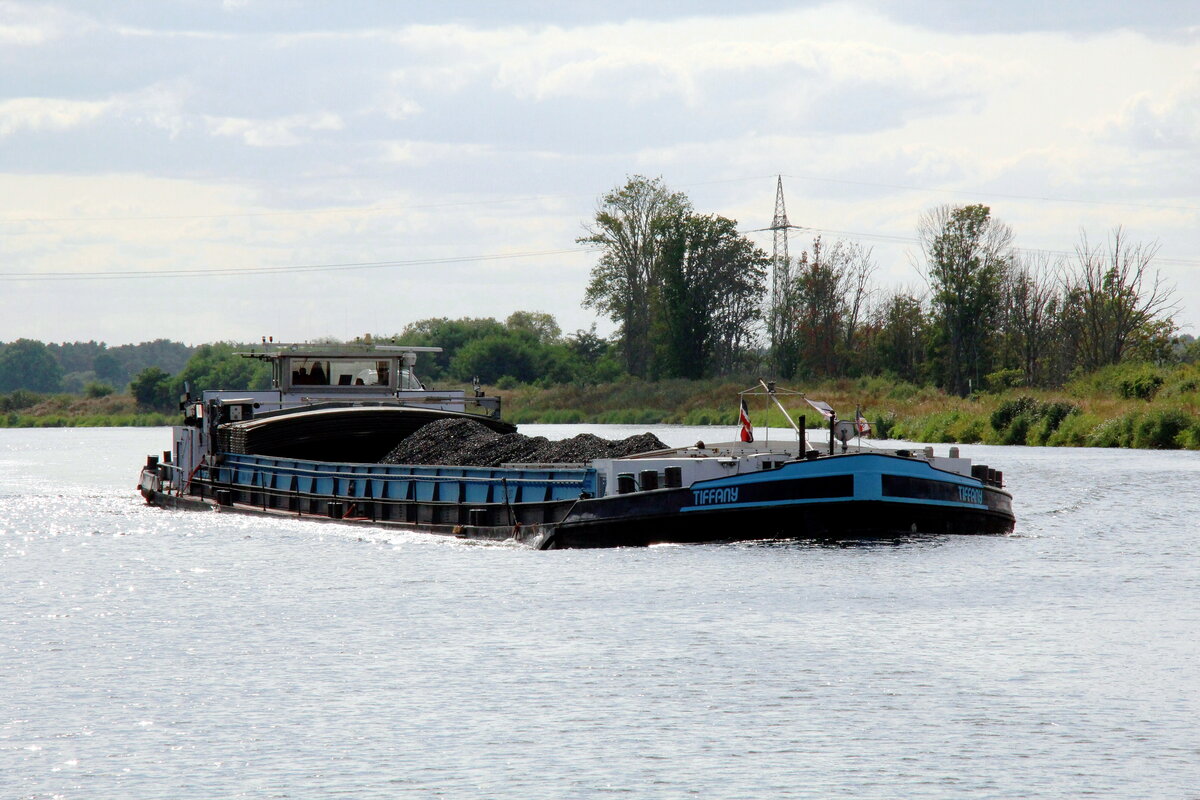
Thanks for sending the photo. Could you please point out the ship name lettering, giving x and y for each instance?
(970, 494)
(707, 497)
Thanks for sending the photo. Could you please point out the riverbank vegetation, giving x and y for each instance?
(25, 409)
(1000, 345)
(1131, 405)
(1125, 406)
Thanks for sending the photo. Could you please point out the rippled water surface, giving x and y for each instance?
(155, 654)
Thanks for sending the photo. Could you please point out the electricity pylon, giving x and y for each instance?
(781, 267)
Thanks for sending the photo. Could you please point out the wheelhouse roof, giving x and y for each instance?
(280, 350)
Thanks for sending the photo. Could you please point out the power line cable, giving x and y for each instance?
(883, 238)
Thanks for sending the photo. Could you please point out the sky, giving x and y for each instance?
(204, 171)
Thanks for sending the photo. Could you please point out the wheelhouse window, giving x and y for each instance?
(409, 381)
(341, 372)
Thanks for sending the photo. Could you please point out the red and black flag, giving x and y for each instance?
(744, 421)
(860, 422)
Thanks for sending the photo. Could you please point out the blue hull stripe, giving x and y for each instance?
(856, 478)
(766, 503)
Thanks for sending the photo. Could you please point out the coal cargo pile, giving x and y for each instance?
(465, 443)
(437, 440)
(586, 447)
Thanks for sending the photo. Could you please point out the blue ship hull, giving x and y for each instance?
(854, 496)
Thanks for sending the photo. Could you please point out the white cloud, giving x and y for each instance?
(279, 132)
(22, 34)
(48, 114)
(1169, 120)
(30, 25)
(642, 60)
(425, 153)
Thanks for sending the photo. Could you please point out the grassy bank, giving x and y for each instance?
(73, 411)
(1125, 406)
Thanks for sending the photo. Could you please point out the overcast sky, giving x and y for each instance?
(188, 156)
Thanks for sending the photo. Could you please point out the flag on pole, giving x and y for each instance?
(860, 422)
(744, 419)
(820, 405)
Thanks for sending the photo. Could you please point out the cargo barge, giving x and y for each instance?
(311, 446)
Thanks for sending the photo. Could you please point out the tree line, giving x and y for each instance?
(687, 293)
(91, 367)
(527, 347)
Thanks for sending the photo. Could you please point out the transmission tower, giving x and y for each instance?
(781, 268)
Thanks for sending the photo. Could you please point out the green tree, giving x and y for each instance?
(168, 356)
(96, 389)
(967, 257)
(153, 390)
(76, 356)
(711, 279)
(1031, 316)
(594, 359)
(496, 355)
(821, 308)
(900, 336)
(627, 229)
(544, 327)
(29, 364)
(217, 366)
(450, 335)
(108, 369)
(1120, 299)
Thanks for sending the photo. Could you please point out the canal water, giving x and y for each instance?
(155, 654)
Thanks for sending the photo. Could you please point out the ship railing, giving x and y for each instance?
(239, 464)
(460, 484)
(393, 492)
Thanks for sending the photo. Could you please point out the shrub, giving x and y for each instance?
(19, 399)
(1024, 420)
(946, 426)
(1160, 429)
(884, 425)
(1115, 432)
(153, 389)
(1016, 430)
(1075, 431)
(968, 429)
(1055, 413)
(1009, 410)
(1189, 438)
(1004, 379)
(561, 416)
(1140, 386)
(97, 389)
